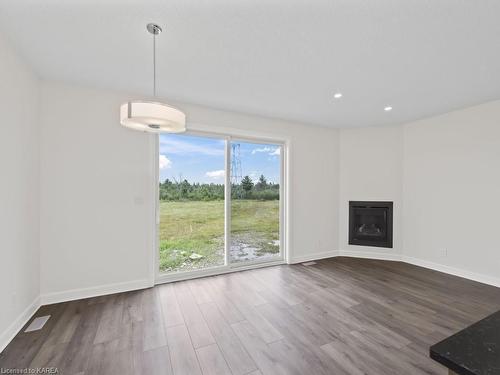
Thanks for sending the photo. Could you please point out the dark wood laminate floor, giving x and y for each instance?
(340, 316)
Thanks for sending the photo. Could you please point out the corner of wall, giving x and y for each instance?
(17, 325)
(20, 98)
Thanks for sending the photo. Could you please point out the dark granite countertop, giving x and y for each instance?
(472, 351)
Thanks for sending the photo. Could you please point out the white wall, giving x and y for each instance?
(443, 174)
(371, 168)
(19, 199)
(451, 191)
(97, 197)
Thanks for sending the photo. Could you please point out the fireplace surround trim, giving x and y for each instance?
(388, 241)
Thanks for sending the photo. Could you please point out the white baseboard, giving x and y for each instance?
(74, 294)
(370, 255)
(481, 278)
(314, 256)
(485, 279)
(7, 336)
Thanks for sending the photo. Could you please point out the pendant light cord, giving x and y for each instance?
(154, 65)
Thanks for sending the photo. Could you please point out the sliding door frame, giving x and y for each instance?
(228, 137)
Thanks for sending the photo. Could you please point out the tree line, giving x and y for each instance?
(246, 189)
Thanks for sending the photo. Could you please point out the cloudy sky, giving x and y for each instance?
(200, 159)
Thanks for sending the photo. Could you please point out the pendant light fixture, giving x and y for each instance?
(152, 116)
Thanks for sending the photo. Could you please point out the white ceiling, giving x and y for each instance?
(277, 58)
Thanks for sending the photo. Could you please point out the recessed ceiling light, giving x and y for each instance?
(337, 95)
(388, 108)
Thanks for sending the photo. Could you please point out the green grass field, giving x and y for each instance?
(188, 227)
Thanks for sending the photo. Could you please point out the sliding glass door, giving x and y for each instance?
(219, 203)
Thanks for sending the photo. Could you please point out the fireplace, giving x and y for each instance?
(370, 223)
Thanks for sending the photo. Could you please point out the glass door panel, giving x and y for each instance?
(191, 207)
(255, 175)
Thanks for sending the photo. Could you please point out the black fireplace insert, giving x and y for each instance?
(370, 223)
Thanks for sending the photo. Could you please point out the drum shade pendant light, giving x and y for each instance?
(151, 116)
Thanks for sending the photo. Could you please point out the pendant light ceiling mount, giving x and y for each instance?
(154, 29)
(152, 116)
